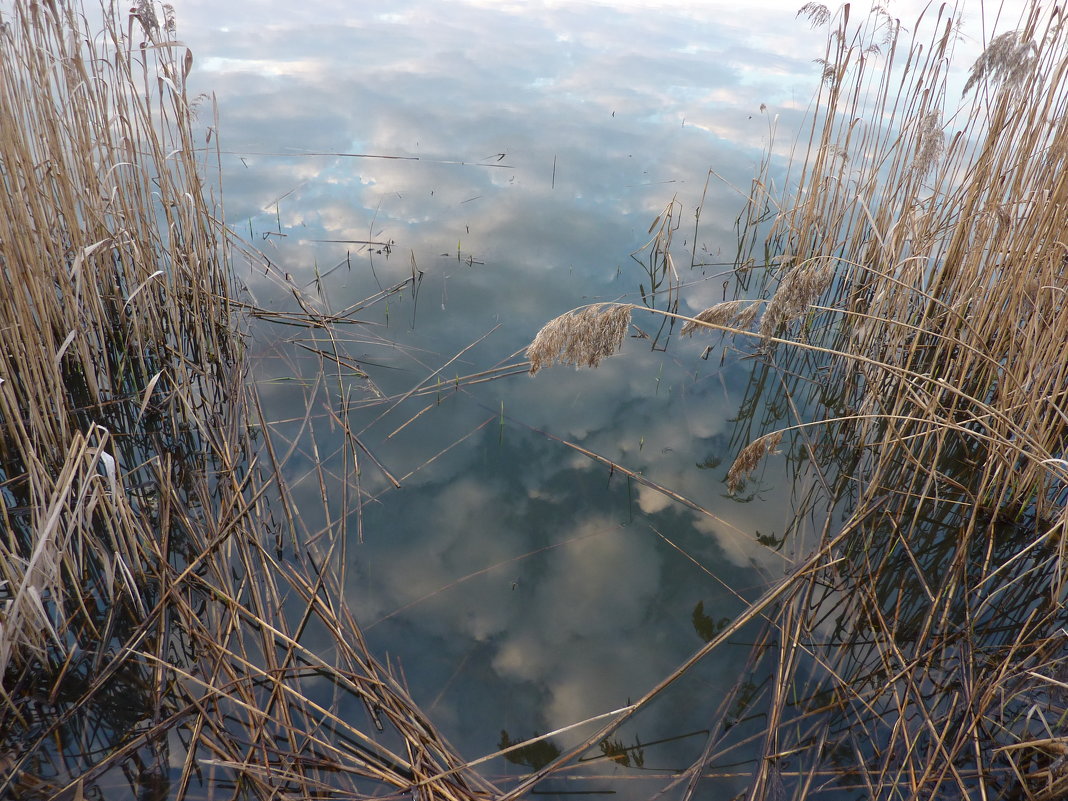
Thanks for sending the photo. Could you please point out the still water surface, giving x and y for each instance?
(512, 158)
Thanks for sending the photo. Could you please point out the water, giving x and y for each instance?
(510, 162)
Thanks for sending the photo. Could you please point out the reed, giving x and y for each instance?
(910, 276)
(159, 597)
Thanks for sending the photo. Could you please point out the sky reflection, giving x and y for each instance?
(522, 586)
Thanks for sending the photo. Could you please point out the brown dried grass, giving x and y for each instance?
(949, 464)
(728, 314)
(581, 338)
(156, 586)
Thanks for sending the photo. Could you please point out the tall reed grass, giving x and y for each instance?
(912, 283)
(159, 600)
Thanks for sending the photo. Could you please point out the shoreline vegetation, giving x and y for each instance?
(156, 585)
(901, 293)
(904, 295)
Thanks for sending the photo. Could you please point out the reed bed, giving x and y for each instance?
(169, 628)
(911, 280)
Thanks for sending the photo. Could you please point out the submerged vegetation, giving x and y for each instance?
(911, 282)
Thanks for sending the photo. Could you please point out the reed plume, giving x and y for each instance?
(582, 337)
(797, 290)
(749, 459)
(728, 314)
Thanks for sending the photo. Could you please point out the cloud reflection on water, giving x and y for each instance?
(602, 115)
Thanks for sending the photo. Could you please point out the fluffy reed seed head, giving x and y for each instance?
(799, 288)
(930, 143)
(1008, 60)
(750, 457)
(581, 337)
(731, 313)
(817, 13)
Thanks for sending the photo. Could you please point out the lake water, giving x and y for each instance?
(512, 158)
